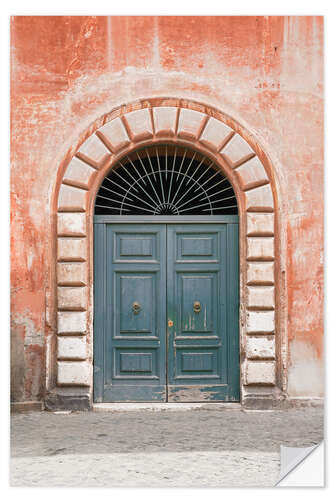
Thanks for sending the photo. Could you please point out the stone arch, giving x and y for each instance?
(252, 176)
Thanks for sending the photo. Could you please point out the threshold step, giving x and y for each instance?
(164, 406)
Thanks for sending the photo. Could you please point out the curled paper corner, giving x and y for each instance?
(301, 467)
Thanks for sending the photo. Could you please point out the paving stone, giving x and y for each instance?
(201, 447)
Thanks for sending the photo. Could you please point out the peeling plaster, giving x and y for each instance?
(306, 371)
(32, 336)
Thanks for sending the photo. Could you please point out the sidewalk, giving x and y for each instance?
(196, 448)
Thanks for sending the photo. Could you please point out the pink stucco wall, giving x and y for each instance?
(265, 72)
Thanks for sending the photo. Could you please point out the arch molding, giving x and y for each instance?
(251, 174)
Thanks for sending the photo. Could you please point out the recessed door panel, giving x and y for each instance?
(197, 362)
(135, 303)
(135, 363)
(197, 294)
(136, 247)
(197, 246)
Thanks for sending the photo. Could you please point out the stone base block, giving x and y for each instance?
(68, 401)
(261, 398)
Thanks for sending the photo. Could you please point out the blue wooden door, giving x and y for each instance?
(130, 312)
(202, 292)
(166, 312)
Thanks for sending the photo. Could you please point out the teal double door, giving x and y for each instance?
(166, 311)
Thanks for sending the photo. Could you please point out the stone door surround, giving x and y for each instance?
(252, 176)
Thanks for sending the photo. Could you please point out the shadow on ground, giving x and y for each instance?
(196, 430)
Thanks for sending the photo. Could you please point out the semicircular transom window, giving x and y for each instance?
(165, 180)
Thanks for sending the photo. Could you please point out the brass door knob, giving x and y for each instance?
(136, 308)
(196, 306)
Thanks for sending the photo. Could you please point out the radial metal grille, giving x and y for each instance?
(165, 180)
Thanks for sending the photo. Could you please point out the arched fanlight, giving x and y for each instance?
(165, 180)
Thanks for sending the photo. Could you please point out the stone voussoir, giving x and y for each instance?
(94, 151)
(79, 173)
(139, 124)
(215, 134)
(236, 151)
(251, 174)
(190, 124)
(165, 121)
(114, 135)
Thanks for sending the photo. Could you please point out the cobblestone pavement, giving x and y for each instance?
(196, 448)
